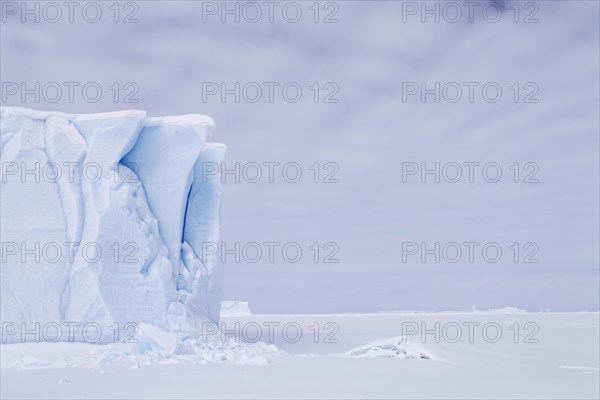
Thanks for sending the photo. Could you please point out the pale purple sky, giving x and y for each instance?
(368, 57)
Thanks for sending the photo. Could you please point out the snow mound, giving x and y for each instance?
(229, 351)
(396, 347)
(579, 368)
(507, 310)
(235, 309)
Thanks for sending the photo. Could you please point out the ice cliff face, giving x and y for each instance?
(93, 210)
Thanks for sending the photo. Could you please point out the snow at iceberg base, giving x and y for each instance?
(103, 219)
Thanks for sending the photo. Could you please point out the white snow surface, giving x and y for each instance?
(557, 359)
(93, 210)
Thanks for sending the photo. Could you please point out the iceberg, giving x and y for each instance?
(102, 218)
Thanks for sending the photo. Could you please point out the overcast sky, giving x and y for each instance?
(362, 119)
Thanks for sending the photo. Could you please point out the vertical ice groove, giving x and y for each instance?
(118, 221)
(66, 148)
(163, 158)
(32, 215)
(202, 231)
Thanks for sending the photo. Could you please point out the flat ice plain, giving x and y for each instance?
(520, 355)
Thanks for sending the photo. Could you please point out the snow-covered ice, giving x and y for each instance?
(563, 363)
(396, 347)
